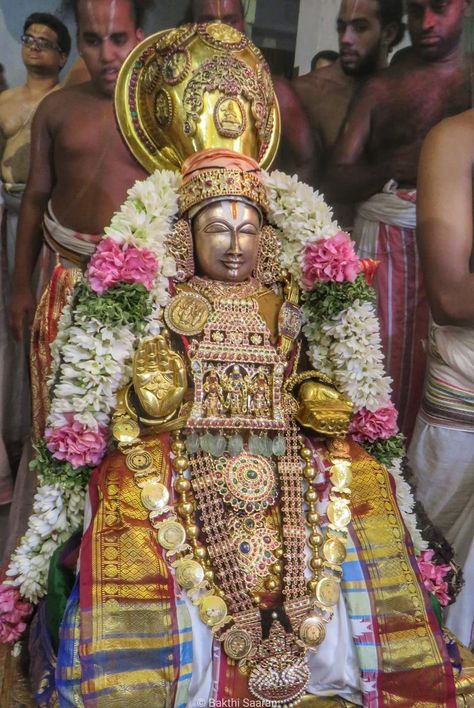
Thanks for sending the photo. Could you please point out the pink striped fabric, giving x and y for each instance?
(403, 312)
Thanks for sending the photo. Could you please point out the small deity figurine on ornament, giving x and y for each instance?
(239, 540)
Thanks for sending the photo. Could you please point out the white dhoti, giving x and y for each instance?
(442, 457)
(385, 230)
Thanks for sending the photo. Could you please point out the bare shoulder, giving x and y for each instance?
(61, 103)
(285, 92)
(321, 79)
(451, 137)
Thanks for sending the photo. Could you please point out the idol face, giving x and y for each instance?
(106, 34)
(226, 240)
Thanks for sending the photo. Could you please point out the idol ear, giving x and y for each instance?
(180, 246)
(268, 267)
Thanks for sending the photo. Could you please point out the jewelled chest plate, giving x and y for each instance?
(238, 373)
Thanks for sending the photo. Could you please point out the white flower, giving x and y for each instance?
(406, 504)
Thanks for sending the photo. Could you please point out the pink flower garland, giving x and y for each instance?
(433, 577)
(14, 612)
(111, 264)
(76, 444)
(374, 425)
(330, 259)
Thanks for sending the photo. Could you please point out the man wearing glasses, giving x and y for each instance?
(45, 48)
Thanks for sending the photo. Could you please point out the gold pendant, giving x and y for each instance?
(189, 573)
(154, 495)
(212, 610)
(280, 680)
(187, 313)
(125, 431)
(339, 513)
(139, 461)
(312, 632)
(328, 591)
(171, 534)
(334, 551)
(237, 643)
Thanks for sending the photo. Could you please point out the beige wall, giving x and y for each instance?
(316, 30)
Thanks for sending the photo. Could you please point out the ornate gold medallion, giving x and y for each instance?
(237, 643)
(176, 66)
(334, 551)
(229, 116)
(312, 632)
(187, 313)
(125, 431)
(246, 482)
(139, 461)
(328, 591)
(189, 573)
(171, 534)
(341, 473)
(339, 513)
(154, 495)
(212, 610)
(163, 109)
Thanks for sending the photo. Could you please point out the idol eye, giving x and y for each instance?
(216, 227)
(249, 229)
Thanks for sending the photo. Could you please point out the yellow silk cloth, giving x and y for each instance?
(412, 652)
(130, 588)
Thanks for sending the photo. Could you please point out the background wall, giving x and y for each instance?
(316, 31)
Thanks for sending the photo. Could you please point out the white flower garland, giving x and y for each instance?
(91, 361)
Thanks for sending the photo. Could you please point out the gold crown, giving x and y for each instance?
(207, 176)
(194, 87)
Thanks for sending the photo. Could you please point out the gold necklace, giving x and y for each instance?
(212, 579)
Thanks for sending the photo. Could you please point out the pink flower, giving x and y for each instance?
(374, 425)
(105, 266)
(13, 614)
(433, 576)
(111, 264)
(331, 259)
(140, 266)
(76, 443)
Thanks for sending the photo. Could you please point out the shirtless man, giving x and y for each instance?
(296, 154)
(367, 30)
(442, 450)
(45, 48)
(79, 163)
(381, 142)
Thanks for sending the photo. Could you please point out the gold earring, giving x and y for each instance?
(268, 266)
(180, 246)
